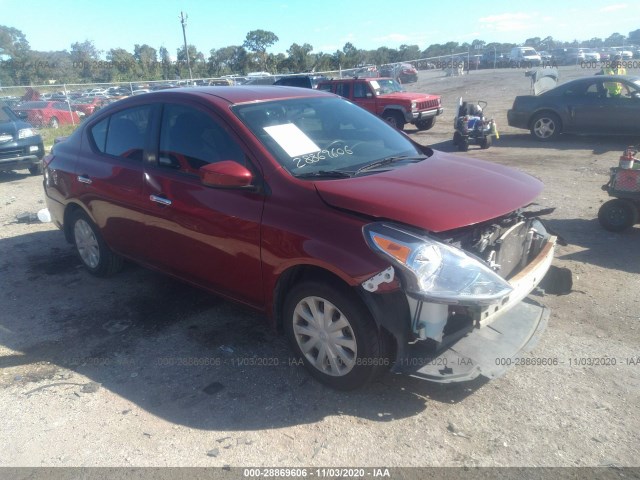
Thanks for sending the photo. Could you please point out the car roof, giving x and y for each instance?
(231, 95)
(591, 78)
(628, 78)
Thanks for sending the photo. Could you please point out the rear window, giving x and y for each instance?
(294, 82)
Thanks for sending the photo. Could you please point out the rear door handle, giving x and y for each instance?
(160, 200)
(84, 179)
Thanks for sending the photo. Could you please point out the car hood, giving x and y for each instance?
(406, 96)
(10, 129)
(440, 193)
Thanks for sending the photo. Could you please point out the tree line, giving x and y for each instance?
(84, 63)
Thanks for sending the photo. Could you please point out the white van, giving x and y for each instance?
(524, 57)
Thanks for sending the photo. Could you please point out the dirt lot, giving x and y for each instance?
(101, 372)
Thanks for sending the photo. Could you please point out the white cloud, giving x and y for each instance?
(507, 22)
(614, 8)
(393, 37)
(327, 48)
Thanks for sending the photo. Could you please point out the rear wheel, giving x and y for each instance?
(334, 335)
(426, 124)
(393, 118)
(618, 214)
(463, 144)
(94, 253)
(546, 126)
(54, 123)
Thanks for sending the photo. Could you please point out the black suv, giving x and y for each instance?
(20, 145)
(303, 81)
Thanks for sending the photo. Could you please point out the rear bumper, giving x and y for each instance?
(517, 119)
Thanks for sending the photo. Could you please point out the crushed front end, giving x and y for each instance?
(465, 290)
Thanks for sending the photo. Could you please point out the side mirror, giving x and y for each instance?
(225, 174)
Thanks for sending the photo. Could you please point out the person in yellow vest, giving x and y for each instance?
(614, 68)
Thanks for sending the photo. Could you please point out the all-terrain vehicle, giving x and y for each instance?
(623, 211)
(472, 127)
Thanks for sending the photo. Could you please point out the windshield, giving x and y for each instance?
(6, 115)
(312, 135)
(384, 86)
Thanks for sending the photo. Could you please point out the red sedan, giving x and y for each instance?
(368, 250)
(89, 105)
(47, 114)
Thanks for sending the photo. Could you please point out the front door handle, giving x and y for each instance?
(84, 179)
(160, 200)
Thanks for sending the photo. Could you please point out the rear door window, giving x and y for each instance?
(124, 133)
(344, 90)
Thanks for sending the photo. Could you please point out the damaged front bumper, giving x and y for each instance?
(501, 332)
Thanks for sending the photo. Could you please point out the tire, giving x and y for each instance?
(54, 123)
(36, 169)
(426, 124)
(617, 215)
(485, 143)
(393, 118)
(353, 363)
(546, 126)
(93, 252)
(457, 138)
(463, 144)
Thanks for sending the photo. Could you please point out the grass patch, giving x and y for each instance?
(49, 134)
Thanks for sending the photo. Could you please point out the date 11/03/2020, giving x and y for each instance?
(572, 361)
(279, 472)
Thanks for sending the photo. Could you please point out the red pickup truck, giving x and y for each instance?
(386, 98)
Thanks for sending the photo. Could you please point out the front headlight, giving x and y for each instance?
(414, 105)
(434, 270)
(26, 132)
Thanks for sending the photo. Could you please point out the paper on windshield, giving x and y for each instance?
(292, 139)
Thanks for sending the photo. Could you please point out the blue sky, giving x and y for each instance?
(326, 25)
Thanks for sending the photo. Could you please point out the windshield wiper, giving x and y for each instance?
(388, 161)
(325, 174)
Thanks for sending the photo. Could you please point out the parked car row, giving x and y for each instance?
(47, 114)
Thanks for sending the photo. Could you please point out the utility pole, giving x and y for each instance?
(183, 21)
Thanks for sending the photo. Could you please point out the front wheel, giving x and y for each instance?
(485, 143)
(617, 215)
(36, 169)
(426, 124)
(94, 253)
(395, 119)
(334, 335)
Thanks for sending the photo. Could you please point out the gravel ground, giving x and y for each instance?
(141, 370)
